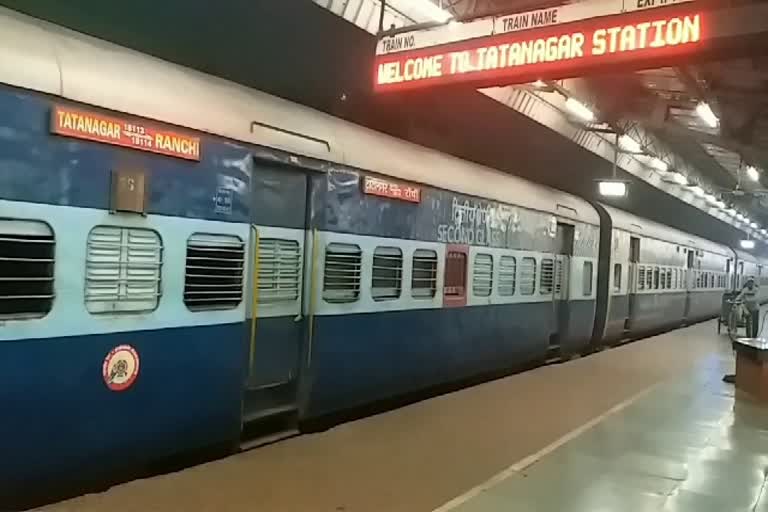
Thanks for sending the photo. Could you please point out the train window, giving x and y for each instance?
(711, 280)
(656, 278)
(455, 274)
(279, 270)
(669, 279)
(387, 276)
(587, 279)
(214, 273)
(507, 276)
(122, 270)
(663, 279)
(482, 277)
(547, 276)
(528, 276)
(649, 278)
(26, 269)
(424, 277)
(617, 278)
(341, 282)
(641, 278)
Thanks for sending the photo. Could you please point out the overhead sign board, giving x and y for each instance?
(96, 127)
(540, 44)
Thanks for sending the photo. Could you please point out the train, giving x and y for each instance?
(183, 258)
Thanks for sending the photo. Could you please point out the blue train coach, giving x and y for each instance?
(184, 260)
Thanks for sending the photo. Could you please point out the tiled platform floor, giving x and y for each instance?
(691, 444)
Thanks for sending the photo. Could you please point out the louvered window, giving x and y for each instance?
(279, 270)
(424, 277)
(482, 278)
(214, 273)
(341, 283)
(669, 279)
(507, 276)
(122, 270)
(26, 269)
(641, 278)
(547, 276)
(387, 275)
(527, 276)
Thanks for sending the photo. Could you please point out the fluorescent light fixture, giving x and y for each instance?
(539, 84)
(706, 114)
(721, 205)
(764, 232)
(711, 199)
(747, 244)
(753, 173)
(754, 225)
(609, 188)
(698, 191)
(679, 178)
(629, 144)
(431, 10)
(659, 164)
(579, 109)
(741, 217)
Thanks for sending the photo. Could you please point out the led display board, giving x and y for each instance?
(645, 38)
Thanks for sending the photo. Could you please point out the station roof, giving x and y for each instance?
(657, 107)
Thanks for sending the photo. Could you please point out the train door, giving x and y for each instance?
(634, 259)
(690, 278)
(561, 312)
(275, 327)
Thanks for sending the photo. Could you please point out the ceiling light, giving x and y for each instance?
(764, 232)
(753, 173)
(698, 191)
(679, 178)
(431, 10)
(659, 164)
(706, 114)
(732, 212)
(629, 144)
(711, 199)
(741, 217)
(539, 84)
(747, 244)
(721, 205)
(754, 225)
(580, 110)
(612, 188)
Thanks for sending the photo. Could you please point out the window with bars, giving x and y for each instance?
(527, 276)
(656, 278)
(617, 277)
(587, 278)
(455, 274)
(482, 278)
(649, 278)
(547, 276)
(663, 274)
(122, 270)
(341, 282)
(279, 270)
(387, 275)
(27, 252)
(214, 272)
(641, 278)
(424, 274)
(507, 276)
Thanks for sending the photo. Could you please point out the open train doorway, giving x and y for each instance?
(562, 270)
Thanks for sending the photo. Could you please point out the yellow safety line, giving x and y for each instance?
(255, 301)
(312, 294)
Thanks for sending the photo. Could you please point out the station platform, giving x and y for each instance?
(643, 427)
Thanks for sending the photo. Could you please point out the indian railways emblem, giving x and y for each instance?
(121, 368)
